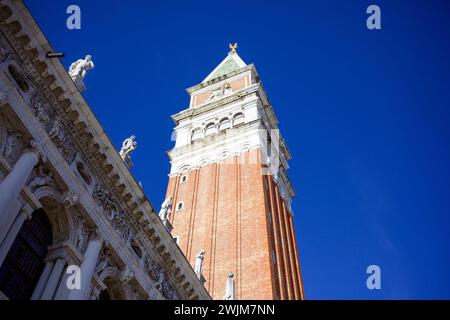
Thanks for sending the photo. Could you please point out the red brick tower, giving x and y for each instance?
(229, 188)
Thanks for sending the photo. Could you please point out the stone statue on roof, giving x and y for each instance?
(199, 264)
(80, 68)
(166, 210)
(128, 146)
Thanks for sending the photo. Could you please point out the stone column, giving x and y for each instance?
(10, 216)
(87, 270)
(24, 213)
(62, 291)
(11, 186)
(42, 280)
(53, 280)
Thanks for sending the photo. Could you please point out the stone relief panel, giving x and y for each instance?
(41, 111)
(54, 125)
(168, 291)
(104, 262)
(80, 236)
(112, 211)
(105, 201)
(13, 143)
(119, 282)
(41, 177)
(157, 274)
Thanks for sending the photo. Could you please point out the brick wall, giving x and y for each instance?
(237, 216)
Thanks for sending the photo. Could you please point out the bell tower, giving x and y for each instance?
(229, 190)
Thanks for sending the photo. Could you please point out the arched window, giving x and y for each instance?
(180, 206)
(210, 129)
(25, 261)
(224, 124)
(196, 134)
(238, 119)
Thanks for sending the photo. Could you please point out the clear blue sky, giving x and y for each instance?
(365, 115)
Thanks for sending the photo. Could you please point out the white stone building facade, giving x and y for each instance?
(66, 196)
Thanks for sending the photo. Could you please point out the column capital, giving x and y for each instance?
(95, 235)
(70, 198)
(55, 256)
(35, 148)
(127, 275)
(27, 211)
(63, 251)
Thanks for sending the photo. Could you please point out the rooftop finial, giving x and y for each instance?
(233, 47)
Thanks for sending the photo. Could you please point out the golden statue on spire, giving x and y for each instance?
(233, 47)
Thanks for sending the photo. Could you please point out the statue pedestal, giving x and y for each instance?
(128, 161)
(79, 83)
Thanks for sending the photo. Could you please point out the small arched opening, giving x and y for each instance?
(224, 124)
(196, 134)
(238, 119)
(210, 129)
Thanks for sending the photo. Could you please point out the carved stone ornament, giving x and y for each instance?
(103, 261)
(80, 68)
(70, 198)
(82, 233)
(42, 177)
(127, 275)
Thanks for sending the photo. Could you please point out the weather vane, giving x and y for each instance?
(233, 47)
